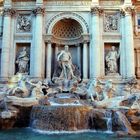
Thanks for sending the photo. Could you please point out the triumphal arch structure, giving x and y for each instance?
(102, 35)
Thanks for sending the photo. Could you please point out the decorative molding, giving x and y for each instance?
(48, 38)
(9, 12)
(52, 39)
(112, 36)
(68, 41)
(23, 37)
(86, 38)
(67, 15)
(39, 11)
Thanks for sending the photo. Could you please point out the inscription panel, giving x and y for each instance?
(69, 3)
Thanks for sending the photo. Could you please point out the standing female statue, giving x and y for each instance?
(22, 61)
(111, 60)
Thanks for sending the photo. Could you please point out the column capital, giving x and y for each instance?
(96, 10)
(85, 41)
(39, 10)
(127, 10)
(137, 50)
(48, 38)
(86, 38)
(9, 11)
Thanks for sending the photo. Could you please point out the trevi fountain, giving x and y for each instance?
(69, 69)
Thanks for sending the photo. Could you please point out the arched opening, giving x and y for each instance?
(67, 31)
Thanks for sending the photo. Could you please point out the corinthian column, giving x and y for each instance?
(129, 42)
(85, 60)
(49, 60)
(95, 43)
(38, 42)
(6, 42)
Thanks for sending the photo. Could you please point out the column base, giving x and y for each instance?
(85, 80)
(4, 80)
(48, 81)
(36, 79)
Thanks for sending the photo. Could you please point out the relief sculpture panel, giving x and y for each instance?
(24, 23)
(111, 22)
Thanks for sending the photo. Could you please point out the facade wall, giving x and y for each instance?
(102, 26)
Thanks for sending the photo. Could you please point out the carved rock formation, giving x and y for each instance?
(68, 118)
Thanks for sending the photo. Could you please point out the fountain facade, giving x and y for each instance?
(41, 33)
(66, 74)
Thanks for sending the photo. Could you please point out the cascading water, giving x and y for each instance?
(122, 122)
(56, 118)
(108, 118)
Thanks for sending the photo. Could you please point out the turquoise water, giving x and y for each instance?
(29, 134)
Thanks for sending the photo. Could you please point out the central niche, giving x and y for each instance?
(67, 31)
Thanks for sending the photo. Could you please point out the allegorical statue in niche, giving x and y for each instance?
(111, 60)
(23, 61)
(65, 61)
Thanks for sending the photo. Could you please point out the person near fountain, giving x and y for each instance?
(65, 60)
(22, 61)
(111, 60)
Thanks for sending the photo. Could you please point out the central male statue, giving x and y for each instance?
(65, 61)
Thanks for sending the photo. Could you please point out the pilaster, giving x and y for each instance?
(38, 42)
(95, 43)
(6, 42)
(128, 41)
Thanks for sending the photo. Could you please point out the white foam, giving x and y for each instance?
(65, 104)
(62, 132)
(70, 132)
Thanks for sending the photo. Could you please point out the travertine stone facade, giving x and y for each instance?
(89, 27)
